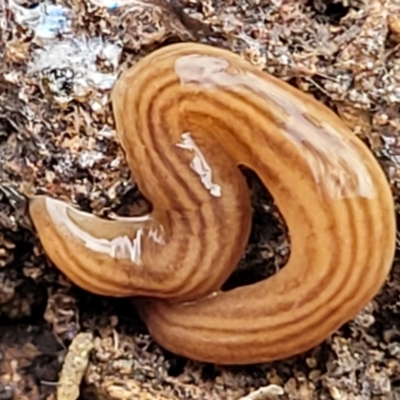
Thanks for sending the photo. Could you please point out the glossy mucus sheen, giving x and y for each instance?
(187, 116)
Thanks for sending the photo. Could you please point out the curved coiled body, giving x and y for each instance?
(187, 115)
